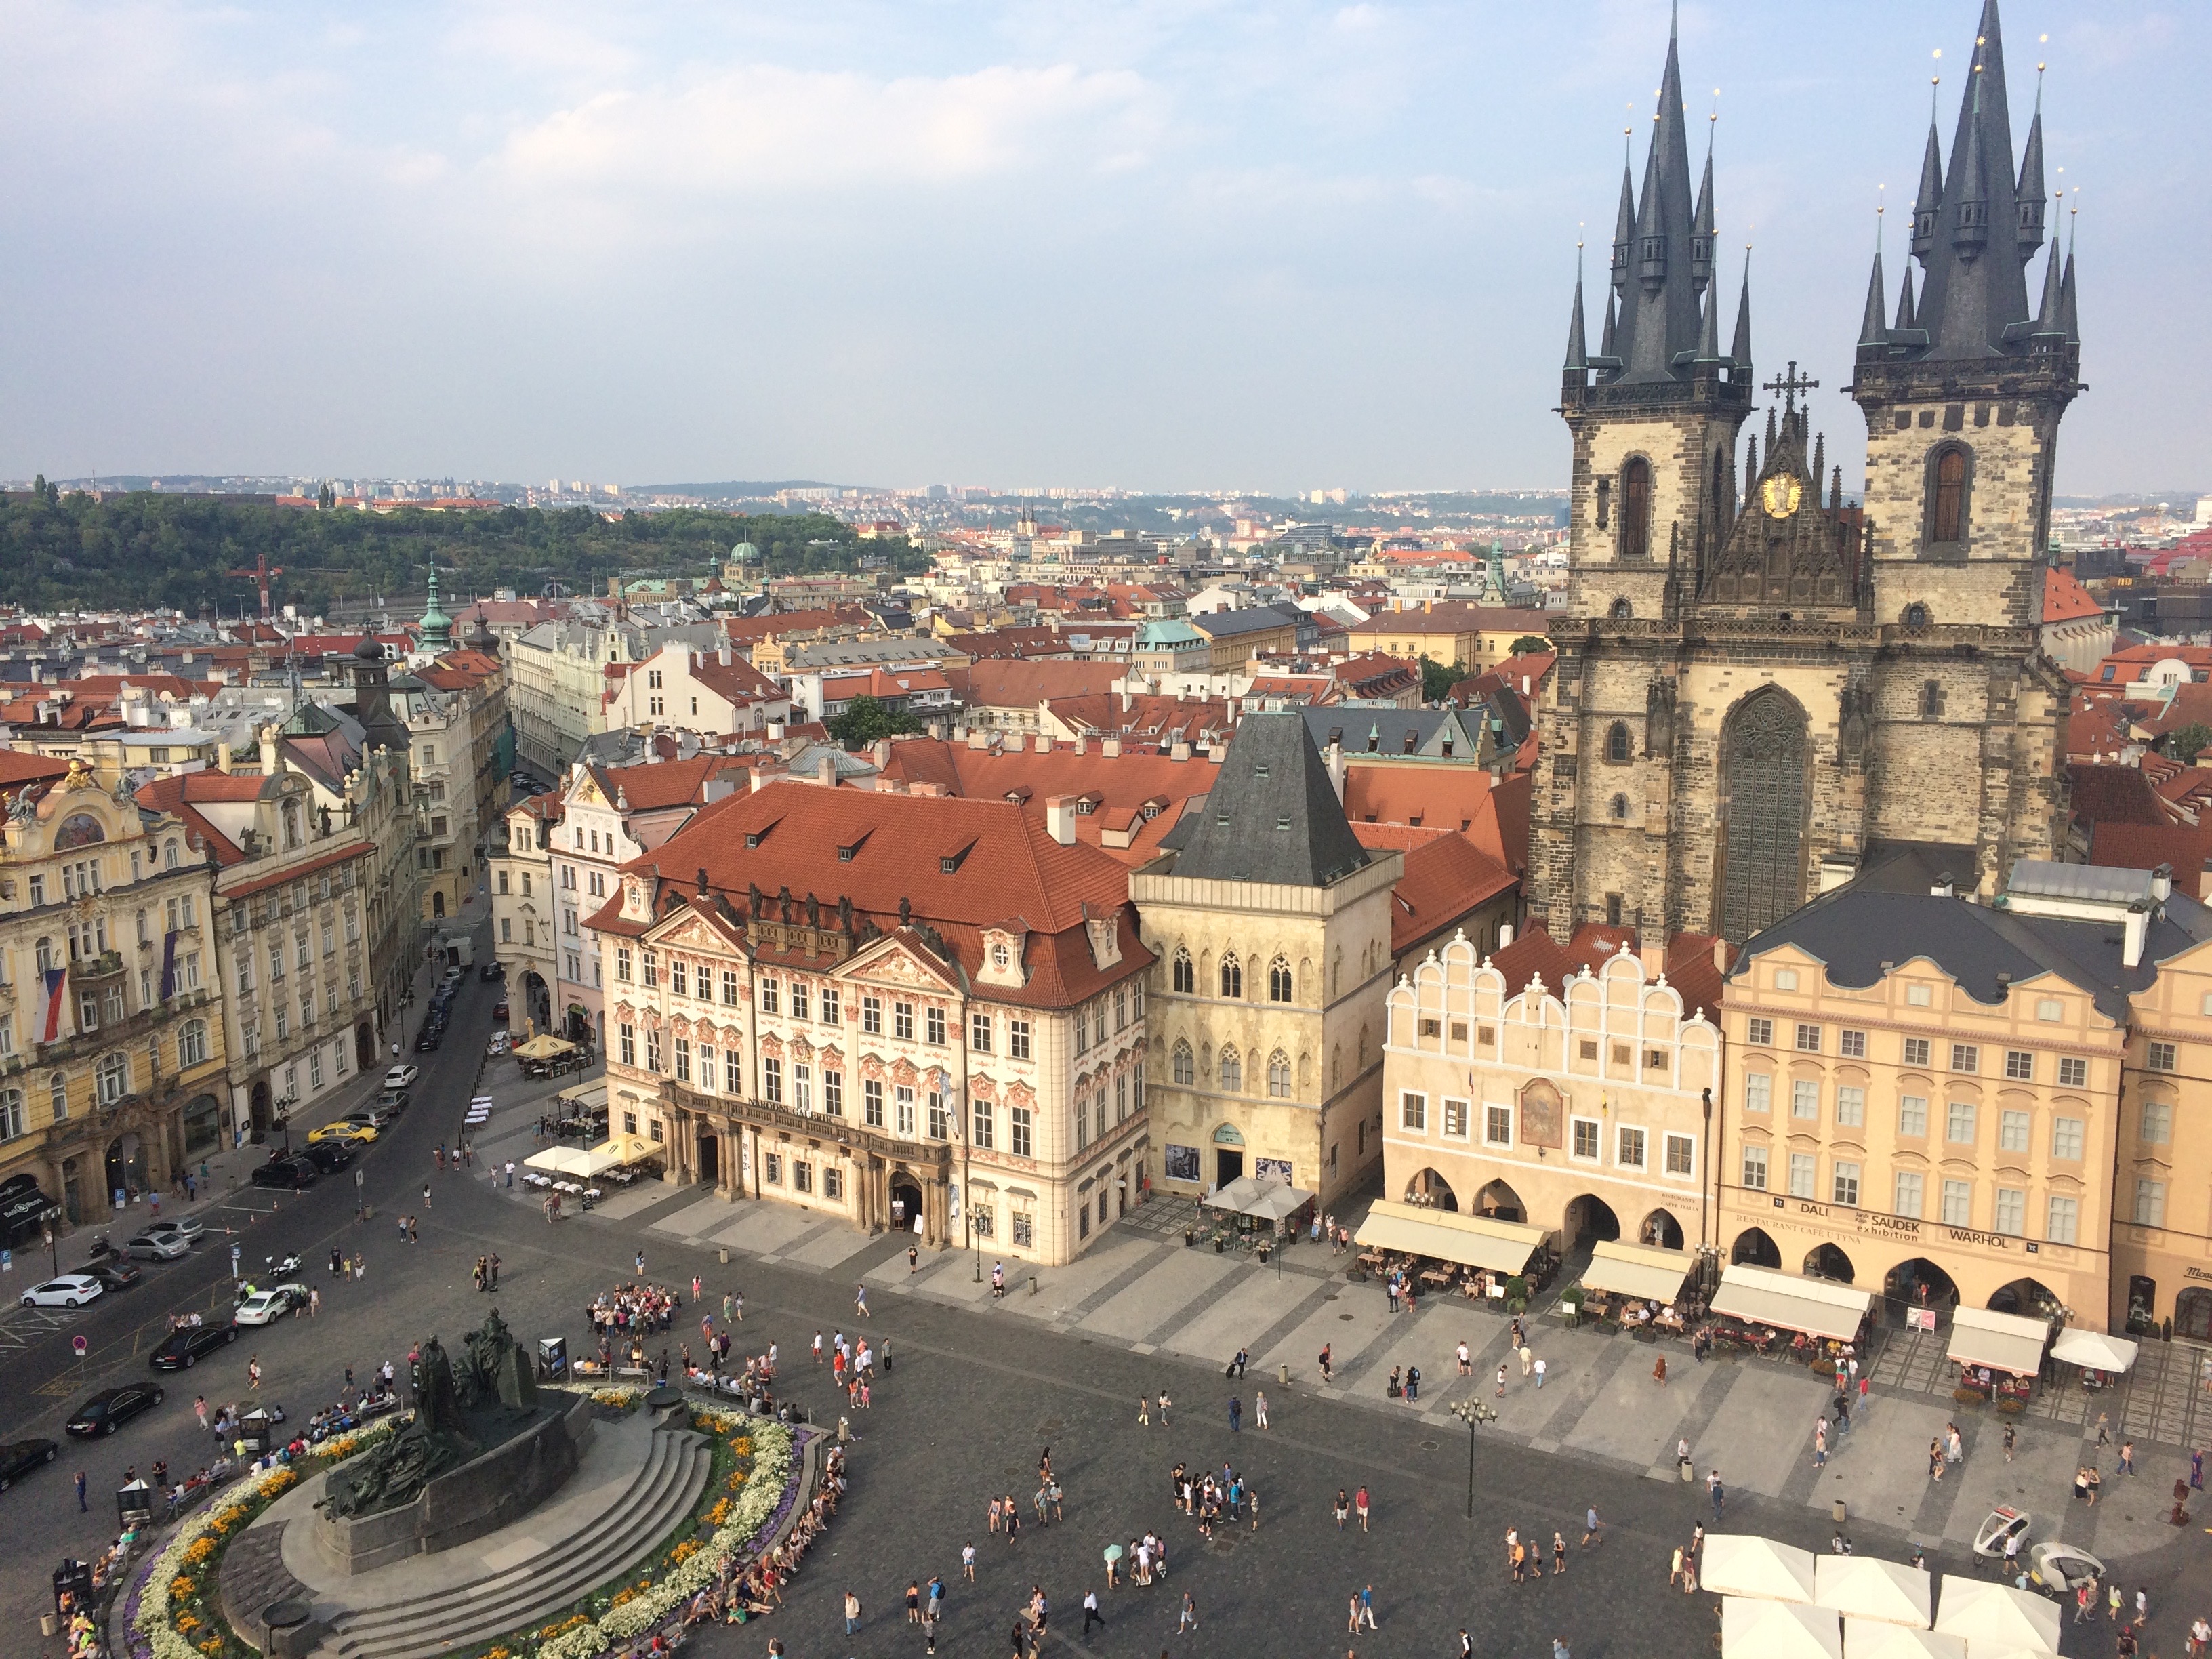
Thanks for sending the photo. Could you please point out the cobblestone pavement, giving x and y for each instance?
(979, 1386)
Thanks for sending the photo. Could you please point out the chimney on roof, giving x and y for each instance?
(979, 738)
(272, 761)
(1720, 955)
(2162, 883)
(1043, 744)
(764, 775)
(1059, 818)
(2138, 927)
(223, 756)
(1180, 749)
(825, 771)
(883, 751)
(1110, 747)
(1217, 751)
(722, 654)
(1504, 934)
(1083, 745)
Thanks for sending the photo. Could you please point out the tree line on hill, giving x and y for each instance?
(62, 551)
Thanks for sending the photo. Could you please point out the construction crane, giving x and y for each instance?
(261, 573)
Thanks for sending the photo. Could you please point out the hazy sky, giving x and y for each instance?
(1166, 244)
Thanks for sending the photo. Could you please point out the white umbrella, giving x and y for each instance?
(1738, 1565)
(1756, 1629)
(1874, 1639)
(1860, 1586)
(2093, 1350)
(1995, 1618)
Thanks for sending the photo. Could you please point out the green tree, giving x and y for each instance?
(866, 719)
(2188, 742)
(1438, 679)
(1529, 642)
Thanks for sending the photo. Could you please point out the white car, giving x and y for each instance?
(402, 1077)
(69, 1291)
(265, 1307)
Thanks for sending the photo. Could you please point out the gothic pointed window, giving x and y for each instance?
(1279, 980)
(1620, 747)
(1636, 509)
(1619, 806)
(1931, 700)
(1232, 978)
(1622, 610)
(1186, 979)
(1763, 872)
(1947, 497)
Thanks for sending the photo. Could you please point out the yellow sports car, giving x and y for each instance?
(343, 1130)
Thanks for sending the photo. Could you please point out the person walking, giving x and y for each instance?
(1540, 1371)
(1190, 1619)
(253, 1372)
(199, 1409)
(1259, 1407)
(1719, 1493)
(968, 1560)
(1143, 1410)
(1236, 1414)
(1091, 1613)
(913, 1255)
(1324, 1364)
(426, 1194)
(1360, 1502)
(1659, 1371)
(861, 1300)
(914, 1601)
(1591, 1526)
(1367, 1605)
(1343, 1508)
(1351, 1613)
(852, 1613)
(83, 1507)
(2127, 1457)
(1163, 1404)
(1527, 1360)
(2011, 1438)
(314, 1300)
(1465, 1361)
(1501, 1382)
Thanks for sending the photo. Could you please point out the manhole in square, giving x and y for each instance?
(1346, 1317)
(1428, 1445)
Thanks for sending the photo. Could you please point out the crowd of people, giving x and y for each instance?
(748, 1588)
(633, 1309)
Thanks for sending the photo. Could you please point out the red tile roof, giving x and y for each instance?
(2064, 599)
(651, 786)
(1008, 873)
(2113, 794)
(2182, 846)
(1445, 879)
(1015, 682)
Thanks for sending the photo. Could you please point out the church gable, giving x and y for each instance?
(1785, 551)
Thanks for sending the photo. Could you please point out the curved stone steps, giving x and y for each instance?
(663, 1494)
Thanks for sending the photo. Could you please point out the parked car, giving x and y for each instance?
(428, 1041)
(329, 1157)
(69, 1291)
(2062, 1569)
(285, 1173)
(181, 1348)
(490, 971)
(153, 1245)
(391, 1103)
(402, 1077)
(344, 1128)
(111, 1408)
(19, 1457)
(117, 1275)
(183, 1227)
(265, 1307)
(500, 1013)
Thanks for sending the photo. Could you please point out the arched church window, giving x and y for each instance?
(1622, 610)
(1947, 508)
(1763, 824)
(1620, 747)
(1232, 1070)
(1620, 806)
(1186, 977)
(1183, 1070)
(1636, 509)
(1279, 980)
(1232, 978)
(1931, 700)
(1916, 616)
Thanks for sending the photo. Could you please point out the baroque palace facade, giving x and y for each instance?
(924, 1014)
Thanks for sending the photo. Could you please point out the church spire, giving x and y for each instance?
(1873, 327)
(1623, 222)
(1605, 345)
(2050, 317)
(2066, 287)
(1740, 350)
(1659, 310)
(1904, 300)
(1577, 362)
(1701, 222)
(1926, 205)
(1973, 301)
(2028, 234)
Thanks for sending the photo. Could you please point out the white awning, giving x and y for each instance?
(2003, 1342)
(1996, 1618)
(1874, 1638)
(1269, 1199)
(1472, 1241)
(1860, 1586)
(1738, 1564)
(592, 1096)
(1819, 1307)
(2094, 1349)
(557, 1160)
(1637, 1270)
(1753, 1629)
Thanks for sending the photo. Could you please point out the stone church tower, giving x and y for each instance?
(1754, 694)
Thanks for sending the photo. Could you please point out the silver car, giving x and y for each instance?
(158, 1245)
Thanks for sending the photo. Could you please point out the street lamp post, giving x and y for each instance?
(284, 1119)
(1472, 1411)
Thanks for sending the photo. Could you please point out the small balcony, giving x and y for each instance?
(106, 965)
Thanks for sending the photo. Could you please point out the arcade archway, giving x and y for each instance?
(1590, 1218)
(1919, 1283)
(1431, 1189)
(2031, 1299)
(1500, 1202)
(1754, 1249)
(1661, 1229)
(906, 1202)
(1828, 1261)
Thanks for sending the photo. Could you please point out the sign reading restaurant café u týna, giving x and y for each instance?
(1876, 1224)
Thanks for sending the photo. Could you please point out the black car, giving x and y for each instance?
(490, 971)
(332, 1156)
(180, 1348)
(111, 1408)
(19, 1457)
(286, 1174)
(429, 1040)
(116, 1275)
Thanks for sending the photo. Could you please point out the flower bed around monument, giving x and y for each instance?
(173, 1611)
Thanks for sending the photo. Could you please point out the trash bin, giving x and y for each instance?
(1841, 1511)
(552, 1357)
(1284, 1372)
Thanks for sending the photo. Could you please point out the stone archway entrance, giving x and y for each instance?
(1431, 1189)
(906, 1202)
(259, 1117)
(1919, 1283)
(1500, 1202)
(1228, 1155)
(710, 1160)
(1660, 1228)
(2031, 1299)
(2192, 1314)
(364, 1047)
(125, 1165)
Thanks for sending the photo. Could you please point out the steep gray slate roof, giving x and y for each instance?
(1272, 814)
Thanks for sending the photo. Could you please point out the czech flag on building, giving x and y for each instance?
(49, 1011)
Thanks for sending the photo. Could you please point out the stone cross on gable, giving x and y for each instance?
(1789, 386)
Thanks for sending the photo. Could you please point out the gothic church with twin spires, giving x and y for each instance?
(1759, 687)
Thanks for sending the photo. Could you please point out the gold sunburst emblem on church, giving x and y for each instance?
(1781, 494)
